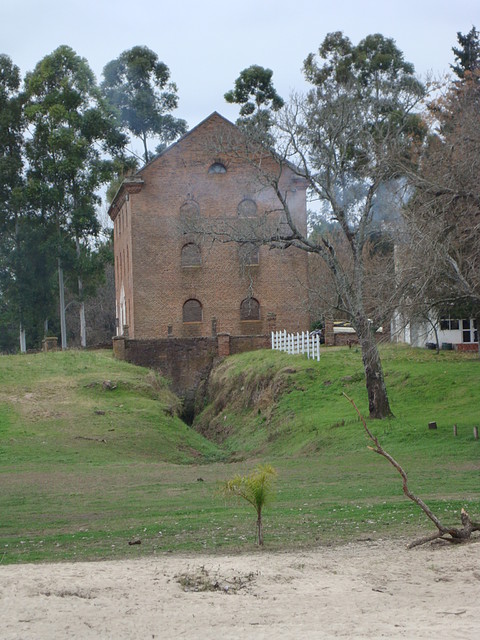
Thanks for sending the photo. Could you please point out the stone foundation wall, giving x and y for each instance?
(339, 339)
(240, 344)
(345, 339)
(186, 362)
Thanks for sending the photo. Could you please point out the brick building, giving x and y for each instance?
(173, 278)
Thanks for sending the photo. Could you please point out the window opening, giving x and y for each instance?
(191, 256)
(466, 336)
(192, 311)
(250, 309)
(190, 208)
(247, 208)
(217, 167)
(448, 324)
(249, 254)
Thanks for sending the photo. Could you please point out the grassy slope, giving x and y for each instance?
(291, 405)
(55, 410)
(67, 494)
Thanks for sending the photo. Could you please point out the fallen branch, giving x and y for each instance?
(449, 534)
(91, 439)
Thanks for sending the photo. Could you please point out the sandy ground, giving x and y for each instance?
(362, 590)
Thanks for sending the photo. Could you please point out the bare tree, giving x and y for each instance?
(345, 141)
(442, 260)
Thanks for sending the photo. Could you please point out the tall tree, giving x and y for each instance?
(467, 54)
(138, 85)
(73, 134)
(10, 137)
(11, 181)
(347, 139)
(255, 92)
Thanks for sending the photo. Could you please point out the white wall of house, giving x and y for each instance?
(420, 332)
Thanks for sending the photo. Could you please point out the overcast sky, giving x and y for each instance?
(207, 44)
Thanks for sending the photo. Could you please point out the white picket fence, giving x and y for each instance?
(300, 343)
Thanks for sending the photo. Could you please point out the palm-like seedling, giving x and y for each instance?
(258, 488)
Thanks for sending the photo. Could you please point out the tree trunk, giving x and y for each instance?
(456, 535)
(259, 528)
(22, 337)
(83, 326)
(61, 289)
(435, 330)
(378, 404)
(145, 148)
(23, 340)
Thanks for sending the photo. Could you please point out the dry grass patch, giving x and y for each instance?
(201, 579)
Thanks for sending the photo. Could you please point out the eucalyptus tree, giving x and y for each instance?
(255, 92)
(138, 85)
(349, 137)
(11, 181)
(72, 138)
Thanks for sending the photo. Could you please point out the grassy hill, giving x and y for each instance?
(93, 454)
(266, 403)
(61, 408)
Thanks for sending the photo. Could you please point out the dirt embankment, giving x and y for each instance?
(239, 392)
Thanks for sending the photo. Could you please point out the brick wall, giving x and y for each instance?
(240, 344)
(186, 362)
(466, 346)
(349, 339)
(150, 226)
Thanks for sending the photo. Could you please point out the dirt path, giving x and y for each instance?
(361, 590)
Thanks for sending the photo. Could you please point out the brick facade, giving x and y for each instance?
(157, 270)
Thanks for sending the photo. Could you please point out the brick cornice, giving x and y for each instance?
(130, 185)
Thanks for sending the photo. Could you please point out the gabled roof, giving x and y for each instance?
(186, 135)
(136, 179)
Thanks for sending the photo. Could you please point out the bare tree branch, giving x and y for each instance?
(456, 535)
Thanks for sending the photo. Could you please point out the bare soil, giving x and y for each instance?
(368, 589)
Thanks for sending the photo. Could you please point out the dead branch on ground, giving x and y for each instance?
(449, 534)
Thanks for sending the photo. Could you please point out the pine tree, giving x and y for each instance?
(467, 54)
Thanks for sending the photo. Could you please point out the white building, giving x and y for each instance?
(459, 334)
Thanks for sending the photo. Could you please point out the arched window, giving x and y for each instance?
(248, 254)
(247, 208)
(191, 256)
(192, 311)
(217, 167)
(250, 309)
(189, 209)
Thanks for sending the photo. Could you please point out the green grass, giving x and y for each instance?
(290, 405)
(54, 410)
(84, 470)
